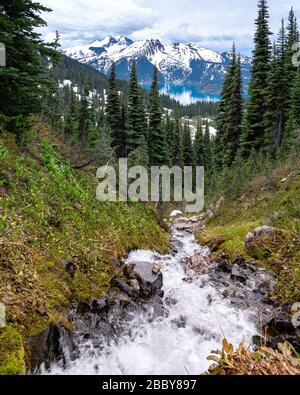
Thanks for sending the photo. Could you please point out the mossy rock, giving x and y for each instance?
(11, 352)
(227, 239)
(267, 245)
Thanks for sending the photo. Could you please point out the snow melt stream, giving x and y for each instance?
(162, 346)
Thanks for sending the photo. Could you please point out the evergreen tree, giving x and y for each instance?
(136, 121)
(223, 108)
(207, 151)
(291, 140)
(291, 39)
(114, 115)
(230, 114)
(85, 122)
(188, 146)
(139, 156)
(71, 124)
(24, 83)
(177, 148)
(169, 133)
(254, 125)
(199, 145)
(104, 152)
(277, 96)
(54, 112)
(157, 142)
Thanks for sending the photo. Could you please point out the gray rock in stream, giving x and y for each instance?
(50, 346)
(150, 282)
(125, 287)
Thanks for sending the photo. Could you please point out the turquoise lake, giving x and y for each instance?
(187, 94)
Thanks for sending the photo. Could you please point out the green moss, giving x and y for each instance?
(11, 352)
(229, 239)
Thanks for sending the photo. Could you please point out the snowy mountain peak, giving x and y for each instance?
(123, 40)
(177, 63)
(108, 41)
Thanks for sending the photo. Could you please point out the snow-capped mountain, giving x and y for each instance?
(177, 63)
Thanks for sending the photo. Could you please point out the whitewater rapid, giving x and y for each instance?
(199, 318)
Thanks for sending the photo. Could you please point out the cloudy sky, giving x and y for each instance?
(212, 23)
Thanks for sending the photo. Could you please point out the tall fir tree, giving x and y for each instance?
(188, 151)
(136, 122)
(24, 82)
(199, 145)
(86, 125)
(71, 124)
(229, 120)
(114, 115)
(235, 115)
(157, 139)
(177, 147)
(207, 150)
(291, 141)
(277, 97)
(254, 122)
(169, 132)
(223, 108)
(292, 38)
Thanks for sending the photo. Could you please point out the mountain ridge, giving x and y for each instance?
(177, 63)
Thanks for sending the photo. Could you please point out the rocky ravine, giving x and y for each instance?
(166, 313)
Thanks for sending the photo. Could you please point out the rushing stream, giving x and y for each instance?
(198, 318)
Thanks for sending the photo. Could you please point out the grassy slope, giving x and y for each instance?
(271, 201)
(49, 215)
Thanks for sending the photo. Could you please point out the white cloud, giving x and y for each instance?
(212, 23)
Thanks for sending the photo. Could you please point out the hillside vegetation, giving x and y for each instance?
(271, 200)
(50, 218)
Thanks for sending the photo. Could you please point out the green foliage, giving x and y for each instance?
(199, 145)
(277, 97)
(177, 146)
(24, 82)
(157, 139)
(208, 151)
(136, 121)
(139, 156)
(188, 152)
(50, 215)
(229, 116)
(114, 115)
(254, 123)
(272, 198)
(11, 352)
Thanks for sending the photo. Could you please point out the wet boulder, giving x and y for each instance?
(100, 306)
(155, 308)
(263, 241)
(83, 307)
(125, 286)
(146, 274)
(50, 346)
(238, 275)
(224, 266)
(199, 263)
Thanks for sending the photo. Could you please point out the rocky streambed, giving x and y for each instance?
(166, 314)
